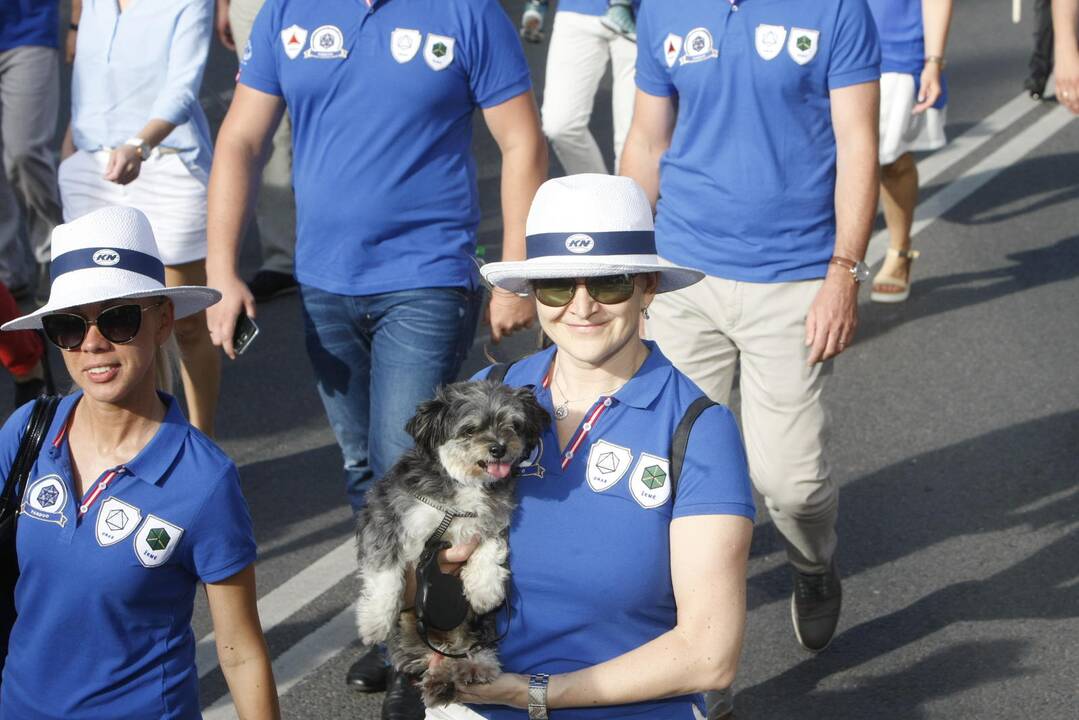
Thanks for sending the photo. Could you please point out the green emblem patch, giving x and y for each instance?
(157, 539)
(439, 49)
(804, 43)
(653, 477)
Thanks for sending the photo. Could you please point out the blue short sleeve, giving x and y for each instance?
(10, 437)
(651, 77)
(497, 69)
(222, 542)
(258, 61)
(715, 474)
(855, 54)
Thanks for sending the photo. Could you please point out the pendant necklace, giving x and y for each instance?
(562, 410)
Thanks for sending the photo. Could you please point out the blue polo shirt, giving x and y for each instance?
(381, 101)
(105, 594)
(590, 538)
(902, 39)
(29, 22)
(747, 187)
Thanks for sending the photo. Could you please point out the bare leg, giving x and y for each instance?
(899, 193)
(200, 362)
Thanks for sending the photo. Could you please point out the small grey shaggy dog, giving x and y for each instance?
(469, 440)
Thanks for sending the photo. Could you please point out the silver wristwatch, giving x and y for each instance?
(859, 271)
(537, 696)
(141, 146)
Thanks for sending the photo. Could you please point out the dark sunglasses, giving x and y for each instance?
(119, 324)
(606, 289)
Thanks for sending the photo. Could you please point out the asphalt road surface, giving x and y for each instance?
(956, 442)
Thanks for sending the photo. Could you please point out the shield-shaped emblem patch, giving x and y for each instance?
(607, 464)
(156, 540)
(404, 44)
(650, 483)
(802, 44)
(116, 520)
(769, 40)
(438, 52)
(293, 38)
(672, 45)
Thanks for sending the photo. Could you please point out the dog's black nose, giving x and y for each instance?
(497, 450)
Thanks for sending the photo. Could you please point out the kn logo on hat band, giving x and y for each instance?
(623, 242)
(118, 258)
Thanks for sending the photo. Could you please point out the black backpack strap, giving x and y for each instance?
(498, 372)
(29, 447)
(680, 441)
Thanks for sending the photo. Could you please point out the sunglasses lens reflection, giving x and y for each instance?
(555, 293)
(119, 324)
(607, 289)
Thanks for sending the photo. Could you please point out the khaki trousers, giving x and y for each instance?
(709, 328)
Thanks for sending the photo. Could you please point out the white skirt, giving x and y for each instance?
(900, 131)
(172, 197)
(460, 712)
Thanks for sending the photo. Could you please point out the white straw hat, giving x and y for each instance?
(109, 254)
(585, 226)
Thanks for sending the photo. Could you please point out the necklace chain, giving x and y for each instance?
(561, 411)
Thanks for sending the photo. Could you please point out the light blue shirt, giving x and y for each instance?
(144, 63)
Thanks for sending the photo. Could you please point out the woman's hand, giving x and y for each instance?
(450, 561)
(124, 165)
(930, 88)
(506, 689)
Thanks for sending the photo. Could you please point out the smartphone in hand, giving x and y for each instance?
(245, 333)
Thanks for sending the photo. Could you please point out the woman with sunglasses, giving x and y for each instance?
(626, 595)
(127, 508)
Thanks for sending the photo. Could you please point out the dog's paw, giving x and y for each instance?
(437, 686)
(485, 587)
(480, 669)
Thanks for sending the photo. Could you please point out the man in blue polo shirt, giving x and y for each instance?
(29, 102)
(381, 98)
(766, 179)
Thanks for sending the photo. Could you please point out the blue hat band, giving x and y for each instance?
(117, 258)
(625, 242)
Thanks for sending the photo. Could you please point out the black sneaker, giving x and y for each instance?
(815, 607)
(268, 284)
(1035, 86)
(402, 701)
(368, 674)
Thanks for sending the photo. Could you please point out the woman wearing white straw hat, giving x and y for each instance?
(628, 573)
(127, 508)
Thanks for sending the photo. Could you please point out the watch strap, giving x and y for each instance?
(141, 146)
(537, 696)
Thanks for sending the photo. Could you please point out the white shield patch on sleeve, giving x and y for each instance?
(650, 483)
(404, 44)
(802, 44)
(116, 520)
(438, 52)
(671, 47)
(293, 38)
(769, 40)
(607, 464)
(156, 540)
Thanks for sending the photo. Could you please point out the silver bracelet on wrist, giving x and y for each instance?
(537, 696)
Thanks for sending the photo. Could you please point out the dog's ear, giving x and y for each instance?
(536, 417)
(426, 426)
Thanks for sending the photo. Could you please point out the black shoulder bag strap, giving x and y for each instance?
(680, 441)
(29, 448)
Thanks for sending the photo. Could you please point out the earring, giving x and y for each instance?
(644, 311)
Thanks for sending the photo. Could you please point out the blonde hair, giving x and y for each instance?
(166, 365)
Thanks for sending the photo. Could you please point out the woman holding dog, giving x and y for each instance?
(127, 507)
(627, 593)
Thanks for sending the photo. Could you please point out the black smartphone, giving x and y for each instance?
(246, 331)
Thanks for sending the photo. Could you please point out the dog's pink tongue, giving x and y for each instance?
(498, 469)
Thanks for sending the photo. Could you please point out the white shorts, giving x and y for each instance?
(900, 131)
(171, 196)
(460, 712)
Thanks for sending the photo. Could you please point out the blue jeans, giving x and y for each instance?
(375, 358)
